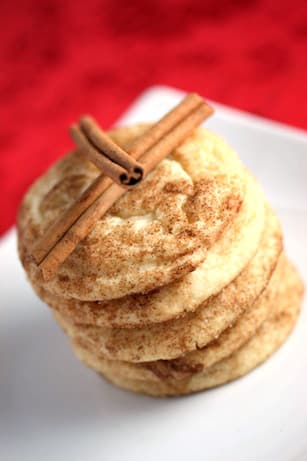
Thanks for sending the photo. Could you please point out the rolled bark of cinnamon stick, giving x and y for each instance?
(79, 230)
(113, 161)
(165, 124)
(105, 144)
(175, 137)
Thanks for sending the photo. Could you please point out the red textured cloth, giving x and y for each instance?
(59, 59)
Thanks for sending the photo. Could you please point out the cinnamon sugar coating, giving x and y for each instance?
(225, 259)
(155, 234)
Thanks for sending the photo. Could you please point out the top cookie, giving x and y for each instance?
(153, 235)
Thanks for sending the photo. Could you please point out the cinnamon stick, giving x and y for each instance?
(55, 232)
(82, 227)
(167, 123)
(174, 138)
(79, 230)
(105, 144)
(113, 161)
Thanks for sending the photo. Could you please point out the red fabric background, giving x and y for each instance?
(59, 59)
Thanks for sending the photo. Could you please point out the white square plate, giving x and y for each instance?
(53, 408)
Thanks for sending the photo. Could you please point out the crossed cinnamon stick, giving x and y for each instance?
(120, 169)
(115, 163)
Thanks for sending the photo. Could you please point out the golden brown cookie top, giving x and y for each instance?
(154, 234)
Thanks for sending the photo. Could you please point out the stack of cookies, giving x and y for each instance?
(183, 285)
